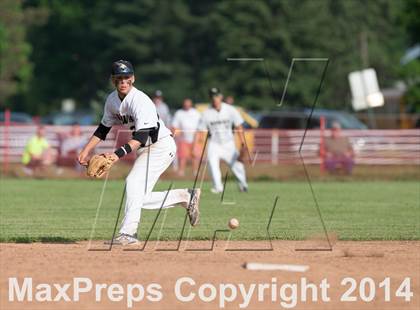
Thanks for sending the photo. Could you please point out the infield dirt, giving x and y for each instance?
(60, 263)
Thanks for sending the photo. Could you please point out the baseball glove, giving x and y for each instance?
(242, 154)
(98, 165)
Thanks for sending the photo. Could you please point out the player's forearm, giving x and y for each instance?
(240, 131)
(84, 154)
(174, 131)
(125, 149)
(134, 144)
(92, 143)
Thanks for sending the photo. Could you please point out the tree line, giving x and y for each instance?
(56, 49)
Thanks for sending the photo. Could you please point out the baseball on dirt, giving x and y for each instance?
(233, 223)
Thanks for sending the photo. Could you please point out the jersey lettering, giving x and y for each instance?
(125, 119)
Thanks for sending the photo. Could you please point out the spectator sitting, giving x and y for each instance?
(162, 108)
(184, 125)
(37, 153)
(338, 151)
(70, 146)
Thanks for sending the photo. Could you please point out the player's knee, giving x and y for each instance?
(213, 161)
(135, 191)
(134, 180)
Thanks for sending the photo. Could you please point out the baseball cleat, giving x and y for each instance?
(123, 239)
(216, 191)
(193, 210)
(243, 188)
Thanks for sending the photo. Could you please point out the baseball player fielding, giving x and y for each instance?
(155, 148)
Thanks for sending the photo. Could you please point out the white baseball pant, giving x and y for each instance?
(228, 153)
(150, 164)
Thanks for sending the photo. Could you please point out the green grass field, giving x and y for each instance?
(65, 210)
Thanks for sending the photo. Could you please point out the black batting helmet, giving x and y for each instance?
(122, 67)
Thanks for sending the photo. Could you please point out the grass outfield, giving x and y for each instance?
(65, 210)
